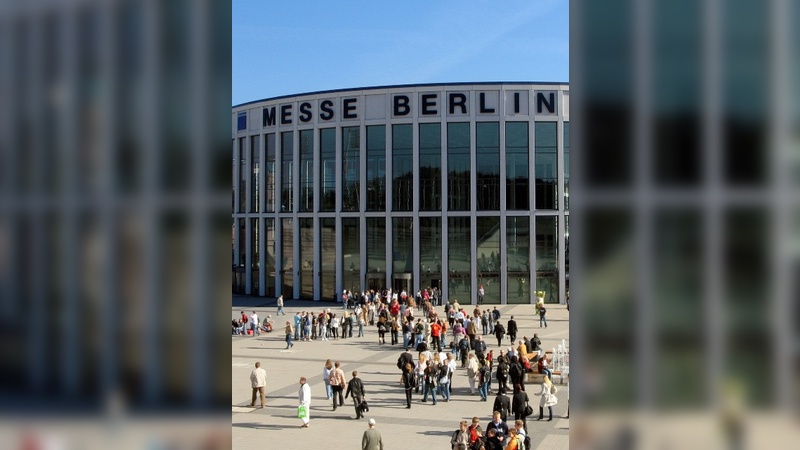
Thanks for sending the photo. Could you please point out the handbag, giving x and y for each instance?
(528, 410)
(302, 412)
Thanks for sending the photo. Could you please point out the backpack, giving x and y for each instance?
(419, 328)
(454, 438)
(463, 345)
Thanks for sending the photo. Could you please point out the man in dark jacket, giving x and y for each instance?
(502, 404)
(511, 329)
(356, 387)
(499, 333)
(405, 358)
(516, 372)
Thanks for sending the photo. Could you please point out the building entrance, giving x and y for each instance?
(376, 281)
(401, 282)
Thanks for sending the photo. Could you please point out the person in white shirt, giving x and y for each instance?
(304, 395)
(280, 307)
(258, 379)
(254, 324)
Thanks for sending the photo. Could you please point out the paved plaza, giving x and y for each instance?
(277, 426)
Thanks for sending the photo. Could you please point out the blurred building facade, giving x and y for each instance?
(450, 186)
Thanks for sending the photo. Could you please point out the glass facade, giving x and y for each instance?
(430, 167)
(269, 250)
(351, 169)
(566, 165)
(376, 253)
(255, 144)
(376, 168)
(287, 257)
(306, 170)
(459, 258)
(242, 174)
(488, 253)
(402, 168)
(269, 175)
(430, 252)
(287, 172)
(547, 257)
(327, 258)
(458, 167)
(306, 263)
(351, 254)
(546, 160)
(254, 262)
(518, 246)
(487, 142)
(327, 169)
(329, 212)
(517, 172)
(403, 247)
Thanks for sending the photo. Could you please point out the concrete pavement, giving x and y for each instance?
(277, 426)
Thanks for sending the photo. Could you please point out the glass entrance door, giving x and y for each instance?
(402, 282)
(376, 281)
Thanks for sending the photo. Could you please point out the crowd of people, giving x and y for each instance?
(444, 344)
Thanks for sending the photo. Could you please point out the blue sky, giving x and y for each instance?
(291, 47)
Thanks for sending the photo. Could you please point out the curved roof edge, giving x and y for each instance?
(394, 86)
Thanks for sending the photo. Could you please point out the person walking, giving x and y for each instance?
(258, 378)
(337, 384)
(304, 395)
(280, 306)
(472, 372)
(511, 329)
(502, 404)
(326, 377)
(499, 332)
(409, 379)
(356, 387)
(548, 398)
(372, 439)
(518, 403)
(431, 375)
(542, 313)
(289, 331)
(445, 375)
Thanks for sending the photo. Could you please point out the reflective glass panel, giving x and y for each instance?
(518, 243)
(327, 257)
(459, 258)
(287, 265)
(287, 171)
(306, 258)
(327, 168)
(430, 167)
(488, 254)
(546, 161)
(517, 173)
(458, 167)
(376, 168)
(351, 254)
(402, 167)
(430, 252)
(351, 168)
(547, 257)
(487, 142)
(307, 170)
(269, 175)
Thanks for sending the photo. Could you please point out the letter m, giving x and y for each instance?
(268, 116)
